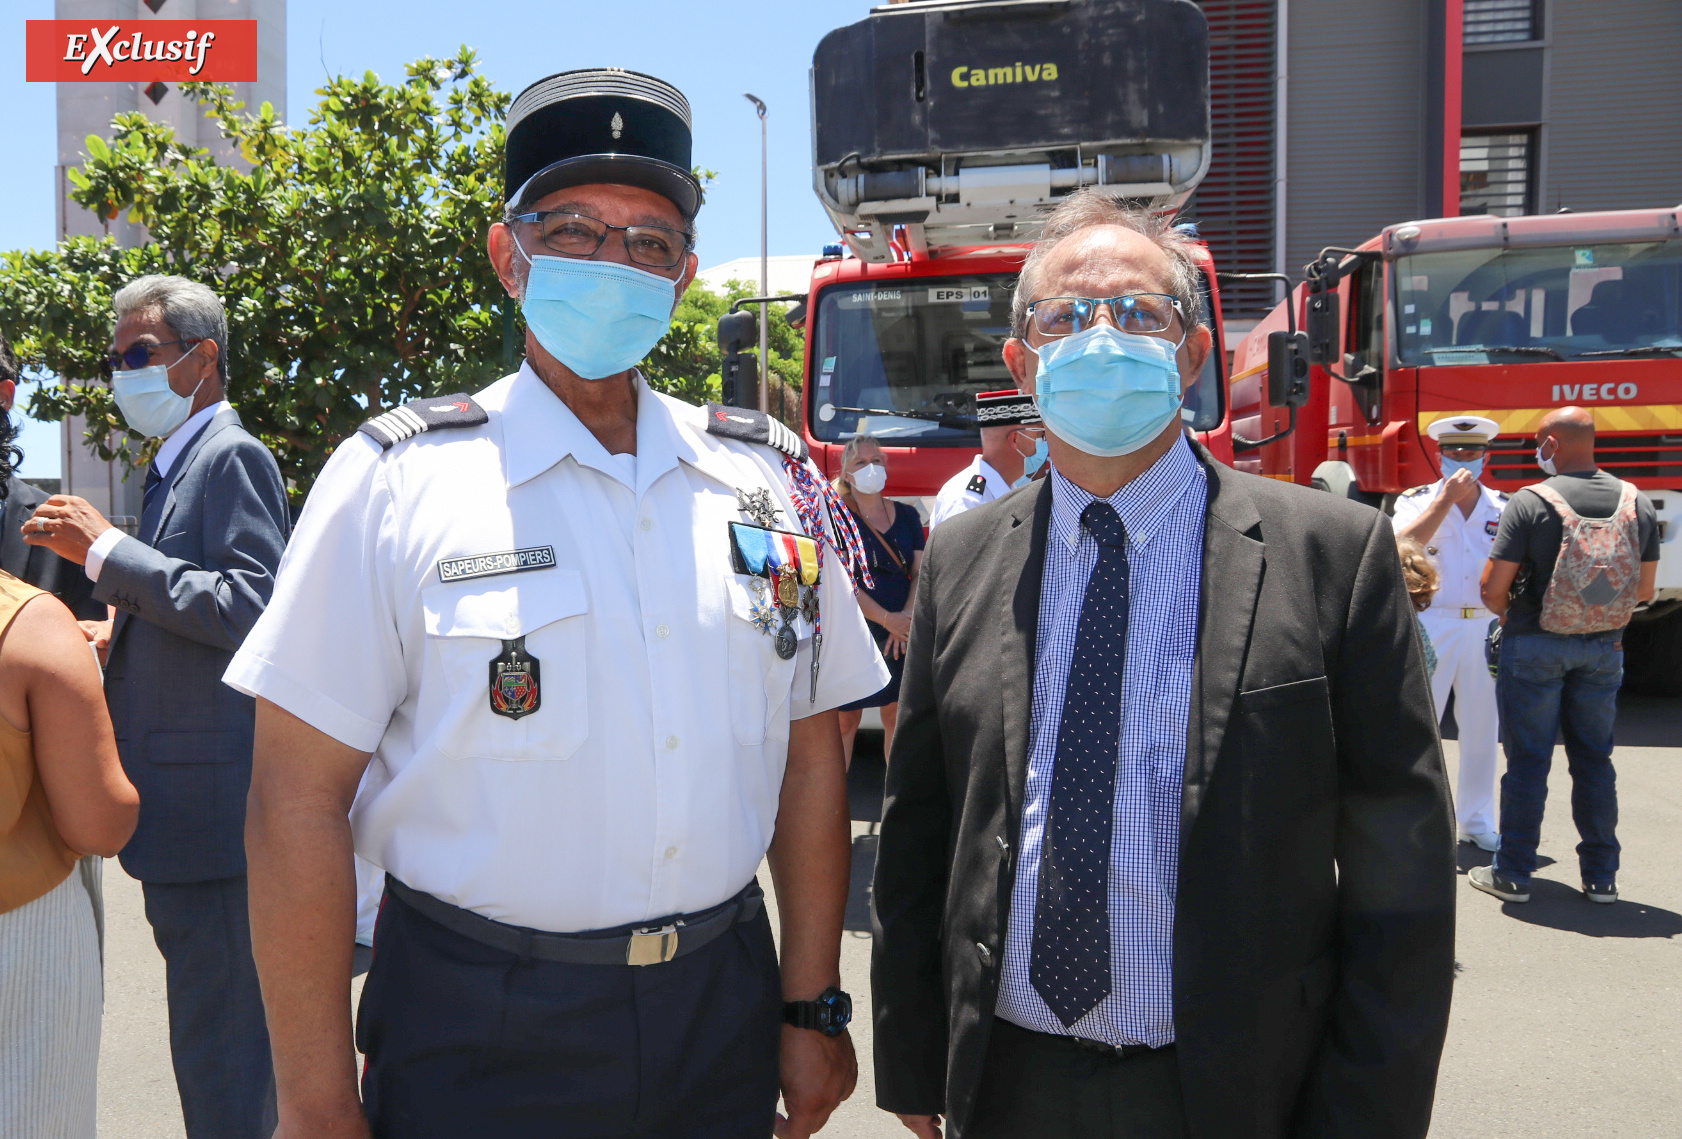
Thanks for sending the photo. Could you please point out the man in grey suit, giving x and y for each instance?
(187, 590)
(1167, 848)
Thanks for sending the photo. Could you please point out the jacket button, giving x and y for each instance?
(984, 953)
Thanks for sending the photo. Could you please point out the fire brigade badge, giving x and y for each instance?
(516, 688)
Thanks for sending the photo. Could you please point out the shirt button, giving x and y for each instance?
(647, 523)
(672, 742)
(662, 630)
(671, 853)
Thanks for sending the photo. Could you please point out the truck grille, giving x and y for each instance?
(1649, 456)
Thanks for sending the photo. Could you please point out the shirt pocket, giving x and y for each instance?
(760, 680)
(466, 625)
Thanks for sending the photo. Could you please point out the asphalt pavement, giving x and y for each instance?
(1567, 1018)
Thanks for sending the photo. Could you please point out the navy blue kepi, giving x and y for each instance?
(602, 124)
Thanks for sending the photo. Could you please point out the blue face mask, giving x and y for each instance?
(1107, 392)
(1474, 468)
(1032, 463)
(596, 317)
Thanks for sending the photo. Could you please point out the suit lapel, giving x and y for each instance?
(1234, 558)
(150, 528)
(1019, 564)
(183, 463)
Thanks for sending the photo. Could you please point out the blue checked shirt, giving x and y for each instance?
(1163, 510)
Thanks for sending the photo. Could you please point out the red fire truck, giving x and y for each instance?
(942, 133)
(1500, 317)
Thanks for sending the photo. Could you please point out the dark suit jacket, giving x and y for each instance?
(1313, 938)
(38, 565)
(186, 595)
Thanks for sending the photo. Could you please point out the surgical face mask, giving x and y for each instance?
(1547, 465)
(148, 403)
(599, 318)
(869, 479)
(1474, 467)
(1108, 392)
(1033, 462)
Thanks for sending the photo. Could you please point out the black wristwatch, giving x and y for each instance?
(829, 1014)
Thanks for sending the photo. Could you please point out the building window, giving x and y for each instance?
(1495, 173)
(1501, 21)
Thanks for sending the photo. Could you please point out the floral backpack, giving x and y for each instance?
(1598, 574)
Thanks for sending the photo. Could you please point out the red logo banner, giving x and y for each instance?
(141, 51)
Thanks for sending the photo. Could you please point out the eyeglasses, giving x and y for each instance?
(579, 235)
(1148, 314)
(139, 355)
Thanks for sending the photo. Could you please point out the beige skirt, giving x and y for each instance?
(52, 993)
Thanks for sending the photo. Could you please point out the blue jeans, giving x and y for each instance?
(1552, 683)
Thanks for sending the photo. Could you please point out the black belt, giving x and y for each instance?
(649, 943)
(1081, 1043)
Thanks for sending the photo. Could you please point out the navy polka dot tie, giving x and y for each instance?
(1070, 966)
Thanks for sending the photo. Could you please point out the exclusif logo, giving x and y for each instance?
(141, 51)
(967, 76)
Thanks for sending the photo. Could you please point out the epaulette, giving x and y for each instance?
(1413, 491)
(422, 415)
(748, 426)
(977, 485)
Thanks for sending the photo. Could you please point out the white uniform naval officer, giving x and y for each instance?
(1455, 519)
(587, 642)
(1013, 451)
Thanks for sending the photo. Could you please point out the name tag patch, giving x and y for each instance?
(489, 565)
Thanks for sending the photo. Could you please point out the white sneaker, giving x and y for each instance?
(1489, 840)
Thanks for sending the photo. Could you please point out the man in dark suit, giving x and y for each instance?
(1167, 847)
(187, 591)
(38, 566)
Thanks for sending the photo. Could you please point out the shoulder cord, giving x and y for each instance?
(807, 492)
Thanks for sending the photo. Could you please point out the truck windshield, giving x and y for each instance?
(903, 362)
(922, 346)
(1568, 302)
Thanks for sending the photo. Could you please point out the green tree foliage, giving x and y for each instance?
(350, 255)
(687, 363)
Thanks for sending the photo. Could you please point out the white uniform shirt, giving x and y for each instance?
(647, 782)
(1460, 546)
(955, 497)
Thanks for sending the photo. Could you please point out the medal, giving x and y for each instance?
(758, 505)
(515, 687)
(787, 642)
(788, 588)
(809, 604)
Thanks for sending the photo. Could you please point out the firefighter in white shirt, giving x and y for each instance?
(1455, 519)
(586, 642)
(1013, 451)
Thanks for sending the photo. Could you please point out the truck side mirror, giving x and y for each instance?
(1323, 328)
(1287, 368)
(738, 371)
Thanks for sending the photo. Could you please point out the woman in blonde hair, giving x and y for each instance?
(1422, 579)
(893, 548)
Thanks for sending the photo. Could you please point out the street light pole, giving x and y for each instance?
(764, 256)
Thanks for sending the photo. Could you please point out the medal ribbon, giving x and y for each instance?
(754, 545)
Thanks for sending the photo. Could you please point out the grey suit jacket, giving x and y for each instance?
(1313, 936)
(38, 565)
(187, 593)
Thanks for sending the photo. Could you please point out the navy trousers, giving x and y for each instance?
(462, 1039)
(218, 1038)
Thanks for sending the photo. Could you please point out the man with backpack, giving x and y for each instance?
(1572, 558)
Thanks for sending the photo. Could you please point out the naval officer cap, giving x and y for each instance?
(1008, 408)
(600, 124)
(1463, 431)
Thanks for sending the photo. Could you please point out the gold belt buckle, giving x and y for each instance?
(652, 946)
(1467, 612)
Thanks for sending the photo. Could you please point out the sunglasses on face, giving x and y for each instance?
(137, 356)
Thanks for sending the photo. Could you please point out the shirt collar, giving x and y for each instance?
(539, 430)
(1144, 503)
(183, 435)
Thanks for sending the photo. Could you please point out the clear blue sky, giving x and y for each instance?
(712, 50)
